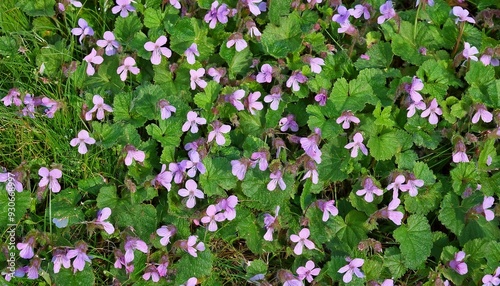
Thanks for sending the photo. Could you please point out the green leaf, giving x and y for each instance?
(380, 57)
(282, 40)
(107, 197)
(153, 18)
(123, 110)
(140, 218)
(278, 9)
(452, 215)
(37, 8)
(415, 239)
(384, 146)
(426, 201)
(218, 177)
(238, 62)
(145, 102)
(394, 261)
(423, 172)
(464, 175)
(354, 229)
(383, 117)
(65, 205)
(248, 230)
(189, 266)
(480, 228)
(182, 36)
(80, 278)
(437, 77)
(206, 98)
(334, 161)
(126, 28)
(403, 44)
(8, 46)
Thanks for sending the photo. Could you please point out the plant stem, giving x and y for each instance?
(416, 21)
(459, 39)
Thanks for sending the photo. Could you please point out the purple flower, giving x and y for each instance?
(487, 58)
(196, 78)
(276, 179)
(60, 258)
(29, 109)
(429, 2)
(294, 80)
(483, 208)
(274, 98)
(483, 113)
(33, 269)
(83, 31)
(308, 271)
(212, 217)
(177, 170)
(191, 282)
(433, 111)
(109, 43)
(321, 97)
(302, 240)
(99, 106)
(369, 189)
(254, 31)
(128, 65)
(390, 213)
(216, 73)
(162, 267)
(346, 118)
(265, 74)
(261, 159)
(459, 155)
(191, 191)
(352, 268)
(412, 108)
(12, 97)
(462, 15)
(237, 41)
(26, 248)
(166, 232)
(469, 52)
(176, 4)
(316, 64)
(123, 7)
(197, 165)
(492, 280)
(252, 103)
(239, 168)
(50, 178)
(412, 186)
(416, 85)
(228, 206)
(387, 12)
(288, 279)
(192, 122)
(103, 215)
(310, 146)
(218, 132)
(131, 244)
(360, 10)
(216, 14)
(311, 172)
(82, 139)
(151, 272)
(80, 255)
(92, 58)
(158, 50)
(191, 247)
(458, 263)
(133, 154)
(255, 6)
(235, 97)
(356, 145)
(191, 52)
(52, 106)
(343, 15)
(328, 208)
(396, 185)
(288, 122)
(270, 223)
(11, 178)
(166, 109)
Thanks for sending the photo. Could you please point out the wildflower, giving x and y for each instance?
(255, 6)
(133, 154)
(151, 272)
(237, 41)
(308, 271)
(52, 106)
(321, 97)
(166, 232)
(328, 208)
(177, 170)
(352, 268)
(302, 239)
(261, 159)
(166, 109)
(131, 244)
(196, 165)
(265, 74)
(390, 213)
(92, 58)
(416, 86)
(369, 189)
(252, 103)
(158, 50)
(459, 155)
(483, 113)
(212, 217)
(387, 12)
(14, 178)
(433, 111)
(50, 178)
(162, 267)
(343, 15)
(80, 255)
(123, 7)
(239, 167)
(365, 57)
(216, 74)
(288, 122)
(29, 109)
(191, 192)
(487, 58)
(196, 78)
(412, 186)
(59, 258)
(294, 80)
(12, 97)
(128, 65)
(253, 30)
(346, 118)
(235, 97)
(396, 185)
(483, 208)
(316, 64)
(412, 108)
(270, 223)
(458, 263)
(310, 146)
(176, 4)
(109, 43)
(26, 248)
(228, 206)
(462, 15)
(274, 98)
(191, 247)
(191, 52)
(83, 31)
(99, 106)
(423, 51)
(192, 122)
(82, 139)
(311, 172)
(356, 145)
(276, 179)
(429, 2)
(360, 10)
(216, 14)
(469, 52)
(103, 215)
(492, 280)
(218, 132)
(347, 28)
(191, 282)
(288, 279)
(33, 269)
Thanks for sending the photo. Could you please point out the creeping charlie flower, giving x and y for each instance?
(82, 139)
(83, 30)
(128, 65)
(50, 178)
(352, 268)
(158, 50)
(302, 240)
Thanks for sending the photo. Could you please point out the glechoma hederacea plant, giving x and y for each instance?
(237, 142)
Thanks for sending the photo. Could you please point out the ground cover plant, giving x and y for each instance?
(251, 142)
